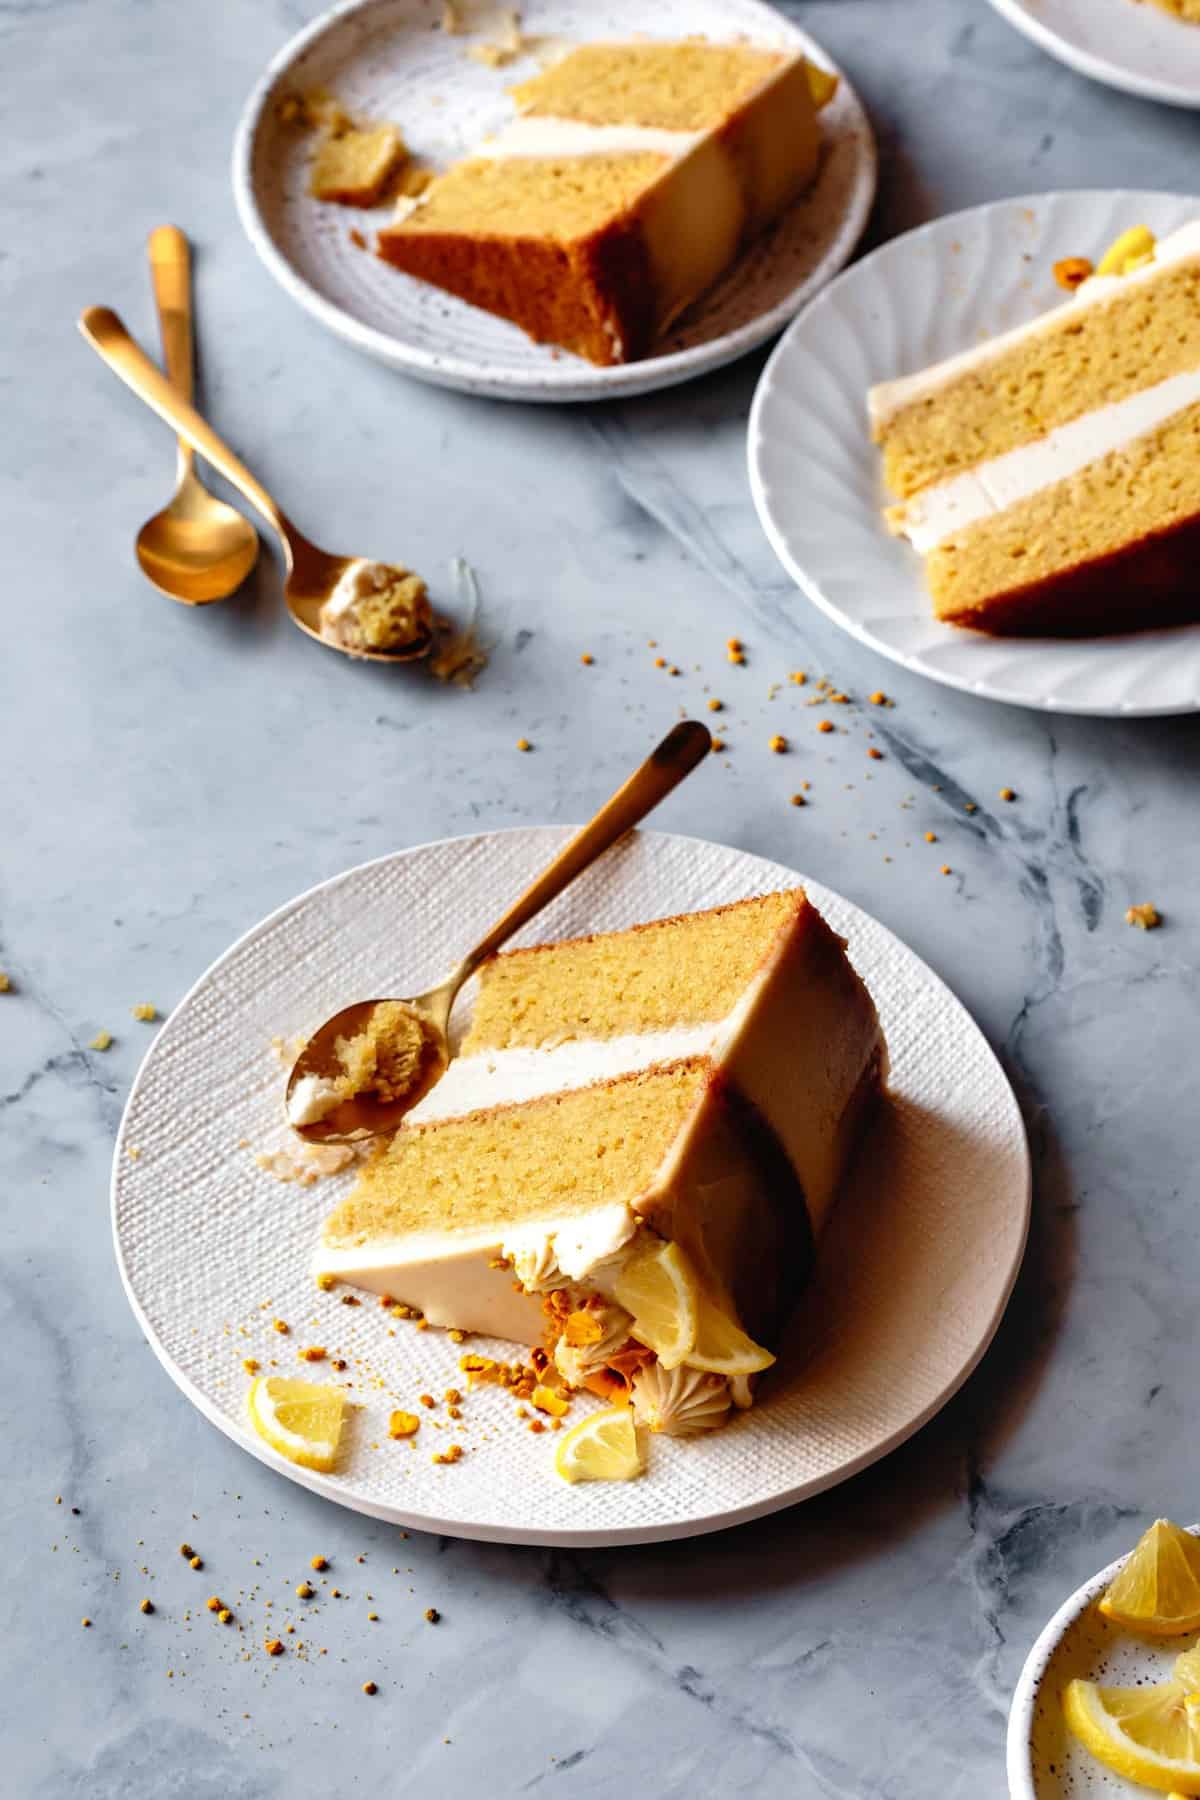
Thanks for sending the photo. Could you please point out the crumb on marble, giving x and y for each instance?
(1144, 916)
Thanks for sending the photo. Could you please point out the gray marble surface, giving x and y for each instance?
(173, 775)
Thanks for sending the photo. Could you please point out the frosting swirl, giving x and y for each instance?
(679, 1402)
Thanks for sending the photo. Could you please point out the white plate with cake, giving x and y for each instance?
(1015, 390)
(681, 1092)
(578, 201)
(1146, 47)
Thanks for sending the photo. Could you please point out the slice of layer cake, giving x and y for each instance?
(701, 1082)
(629, 180)
(1051, 477)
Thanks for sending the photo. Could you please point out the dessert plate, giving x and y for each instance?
(391, 60)
(912, 1279)
(1044, 1761)
(1127, 44)
(816, 477)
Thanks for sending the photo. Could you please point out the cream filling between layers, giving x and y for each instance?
(941, 511)
(888, 398)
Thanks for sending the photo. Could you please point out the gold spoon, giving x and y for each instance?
(362, 1116)
(197, 549)
(312, 573)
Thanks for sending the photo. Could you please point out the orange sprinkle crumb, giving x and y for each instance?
(369, 1687)
(145, 1011)
(213, 1603)
(1007, 794)
(587, 659)
(536, 1425)
(373, 1618)
(186, 1550)
(714, 705)
(251, 1365)
(524, 744)
(304, 1591)
(878, 698)
(85, 1621)
(403, 1424)
(718, 743)
(325, 1283)
(672, 669)
(737, 656)
(338, 1363)
(946, 870)
(225, 1615)
(778, 744)
(456, 1336)
(313, 1353)
(798, 677)
(432, 1615)
(733, 643)
(194, 1562)
(274, 1647)
(874, 754)
(279, 1326)
(660, 662)
(147, 1606)
(931, 837)
(319, 1562)
(824, 724)
(1071, 271)
(799, 800)
(452, 1397)
(427, 1399)
(547, 1401)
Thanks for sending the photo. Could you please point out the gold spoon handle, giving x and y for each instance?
(171, 273)
(681, 750)
(109, 338)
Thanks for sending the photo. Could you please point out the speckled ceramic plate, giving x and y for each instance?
(816, 475)
(1044, 1761)
(912, 1279)
(1127, 44)
(390, 59)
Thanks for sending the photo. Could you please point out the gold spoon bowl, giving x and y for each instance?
(197, 549)
(312, 573)
(365, 1116)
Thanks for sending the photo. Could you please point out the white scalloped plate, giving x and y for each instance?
(388, 59)
(912, 1279)
(1044, 1761)
(1126, 44)
(815, 474)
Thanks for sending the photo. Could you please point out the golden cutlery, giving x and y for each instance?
(318, 1065)
(197, 549)
(312, 573)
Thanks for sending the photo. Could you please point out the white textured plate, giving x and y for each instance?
(1127, 44)
(912, 1278)
(1044, 1761)
(389, 59)
(816, 475)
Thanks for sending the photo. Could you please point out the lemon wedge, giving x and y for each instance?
(1157, 1589)
(659, 1289)
(1147, 1734)
(722, 1347)
(602, 1447)
(1133, 248)
(300, 1419)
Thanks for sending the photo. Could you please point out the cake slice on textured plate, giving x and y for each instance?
(630, 179)
(1051, 477)
(700, 1082)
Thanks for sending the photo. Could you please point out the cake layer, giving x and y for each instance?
(1117, 335)
(627, 185)
(1113, 547)
(654, 977)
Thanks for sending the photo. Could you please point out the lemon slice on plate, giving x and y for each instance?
(1157, 1590)
(660, 1291)
(602, 1447)
(300, 1419)
(722, 1347)
(1147, 1734)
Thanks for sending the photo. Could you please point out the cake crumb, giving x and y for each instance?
(146, 1606)
(313, 1353)
(319, 1562)
(587, 659)
(225, 1615)
(195, 1562)
(103, 1040)
(274, 1646)
(1007, 794)
(799, 800)
(5, 983)
(778, 744)
(718, 743)
(213, 1603)
(432, 1615)
(946, 869)
(824, 724)
(403, 1424)
(1145, 917)
(874, 754)
(798, 677)
(524, 744)
(304, 1591)
(714, 705)
(931, 837)
(878, 698)
(251, 1365)
(85, 1621)
(737, 655)
(145, 1011)
(369, 1687)
(1071, 272)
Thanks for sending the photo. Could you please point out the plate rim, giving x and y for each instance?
(810, 586)
(554, 385)
(1018, 1761)
(589, 1537)
(1095, 68)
